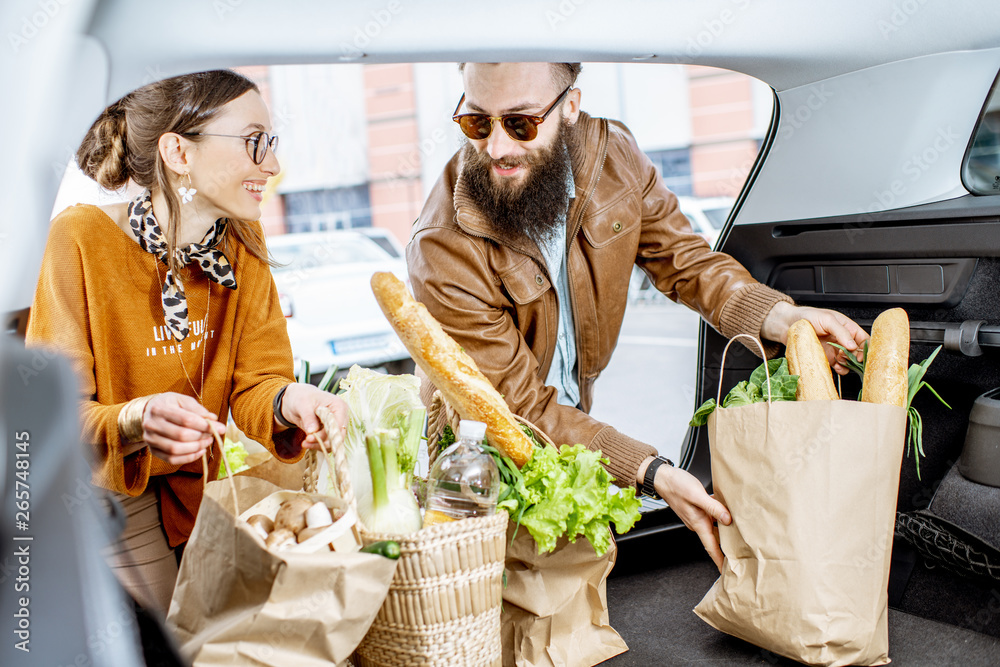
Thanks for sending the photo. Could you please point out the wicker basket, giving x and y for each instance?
(443, 607)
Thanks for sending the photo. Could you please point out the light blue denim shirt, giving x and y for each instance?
(562, 373)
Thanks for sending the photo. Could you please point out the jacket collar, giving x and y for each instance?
(587, 132)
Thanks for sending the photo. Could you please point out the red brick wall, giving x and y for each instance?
(273, 207)
(721, 122)
(394, 162)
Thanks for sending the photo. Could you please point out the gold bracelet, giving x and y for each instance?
(130, 419)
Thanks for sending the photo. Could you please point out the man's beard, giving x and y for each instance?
(536, 206)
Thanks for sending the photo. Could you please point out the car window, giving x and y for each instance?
(717, 216)
(386, 245)
(326, 252)
(981, 170)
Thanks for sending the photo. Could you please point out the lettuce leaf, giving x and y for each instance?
(236, 455)
(569, 492)
(754, 390)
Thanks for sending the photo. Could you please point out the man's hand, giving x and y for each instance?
(299, 404)
(830, 326)
(178, 428)
(689, 500)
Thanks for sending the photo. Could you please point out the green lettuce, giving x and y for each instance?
(236, 455)
(754, 390)
(566, 492)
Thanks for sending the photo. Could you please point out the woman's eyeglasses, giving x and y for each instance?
(257, 143)
(518, 126)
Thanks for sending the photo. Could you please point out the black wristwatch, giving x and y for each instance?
(276, 406)
(647, 488)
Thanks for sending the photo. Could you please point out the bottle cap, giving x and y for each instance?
(471, 429)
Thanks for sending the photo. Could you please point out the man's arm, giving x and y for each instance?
(450, 274)
(714, 284)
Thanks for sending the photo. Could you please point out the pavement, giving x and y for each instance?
(648, 389)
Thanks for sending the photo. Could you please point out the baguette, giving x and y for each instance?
(887, 365)
(449, 368)
(806, 359)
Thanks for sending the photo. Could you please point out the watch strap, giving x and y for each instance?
(277, 408)
(648, 489)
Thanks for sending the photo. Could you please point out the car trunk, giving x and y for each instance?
(851, 264)
(941, 263)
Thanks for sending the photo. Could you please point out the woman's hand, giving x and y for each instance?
(178, 428)
(299, 404)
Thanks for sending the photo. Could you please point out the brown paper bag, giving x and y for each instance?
(277, 472)
(236, 603)
(812, 488)
(555, 605)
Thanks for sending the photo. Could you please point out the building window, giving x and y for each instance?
(674, 166)
(321, 210)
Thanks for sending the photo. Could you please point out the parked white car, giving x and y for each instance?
(332, 315)
(707, 216)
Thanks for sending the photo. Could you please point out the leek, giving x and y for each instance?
(383, 439)
(915, 380)
(394, 508)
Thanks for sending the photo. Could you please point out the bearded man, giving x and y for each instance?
(524, 250)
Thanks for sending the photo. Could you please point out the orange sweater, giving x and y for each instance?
(98, 301)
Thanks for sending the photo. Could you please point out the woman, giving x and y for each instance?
(166, 307)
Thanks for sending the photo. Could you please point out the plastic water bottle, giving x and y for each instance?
(464, 480)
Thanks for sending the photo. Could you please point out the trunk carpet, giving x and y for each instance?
(658, 581)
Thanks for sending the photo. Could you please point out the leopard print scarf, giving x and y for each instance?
(151, 239)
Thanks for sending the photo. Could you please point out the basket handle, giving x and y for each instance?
(539, 433)
(337, 449)
(441, 413)
(722, 366)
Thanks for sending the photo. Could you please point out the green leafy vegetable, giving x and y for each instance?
(236, 454)
(327, 383)
(852, 362)
(915, 381)
(782, 384)
(754, 390)
(915, 378)
(565, 492)
(304, 375)
(447, 438)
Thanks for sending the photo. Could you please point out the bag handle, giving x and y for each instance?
(225, 462)
(722, 366)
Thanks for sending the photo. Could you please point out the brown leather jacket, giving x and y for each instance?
(494, 295)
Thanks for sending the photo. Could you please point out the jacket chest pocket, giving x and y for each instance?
(534, 313)
(609, 225)
(525, 283)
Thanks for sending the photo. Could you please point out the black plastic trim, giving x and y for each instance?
(975, 133)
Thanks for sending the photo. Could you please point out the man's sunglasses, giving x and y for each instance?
(257, 143)
(518, 126)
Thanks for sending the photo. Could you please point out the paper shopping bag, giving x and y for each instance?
(812, 489)
(555, 605)
(237, 603)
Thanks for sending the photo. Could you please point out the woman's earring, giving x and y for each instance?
(187, 193)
